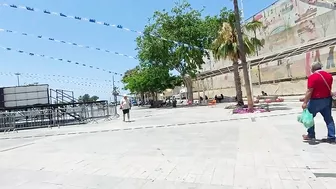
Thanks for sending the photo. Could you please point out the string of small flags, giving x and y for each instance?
(68, 43)
(57, 59)
(87, 88)
(72, 82)
(95, 85)
(62, 76)
(94, 21)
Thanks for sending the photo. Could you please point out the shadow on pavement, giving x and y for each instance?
(317, 142)
(279, 108)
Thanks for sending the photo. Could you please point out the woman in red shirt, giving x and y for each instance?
(318, 100)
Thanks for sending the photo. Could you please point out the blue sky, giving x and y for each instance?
(128, 13)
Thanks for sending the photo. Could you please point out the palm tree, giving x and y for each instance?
(254, 26)
(226, 46)
(243, 51)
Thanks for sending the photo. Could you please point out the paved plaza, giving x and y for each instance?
(183, 148)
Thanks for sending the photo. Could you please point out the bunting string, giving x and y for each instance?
(87, 89)
(58, 59)
(60, 76)
(68, 43)
(94, 21)
(95, 85)
(71, 82)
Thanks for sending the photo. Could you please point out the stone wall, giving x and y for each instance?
(286, 24)
(283, 88)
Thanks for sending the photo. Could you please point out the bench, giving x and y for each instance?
(267, 100)
(212, 102)
(272, 98)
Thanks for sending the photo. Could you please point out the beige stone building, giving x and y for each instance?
(296, 33)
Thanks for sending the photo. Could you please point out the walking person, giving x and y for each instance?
(318, 99)
(125, 106)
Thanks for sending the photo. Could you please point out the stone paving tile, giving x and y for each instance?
(267, 153)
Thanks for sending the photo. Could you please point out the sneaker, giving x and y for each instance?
(306, 137)
(329, 140)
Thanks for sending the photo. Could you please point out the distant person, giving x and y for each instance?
(330, 59)
(318, 99)
(125, 105)
(288, 68)
(221, 98)
(263, 93)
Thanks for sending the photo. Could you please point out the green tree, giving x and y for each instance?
(254, 26)
(149, 78)
(94, 98)
(87, 98)
(226, 46)
(186, 26)
(133, 81)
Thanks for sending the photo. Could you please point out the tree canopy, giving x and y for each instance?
(226, 44)
(181, 40)
(178, 40)
(149, 78)
(88, 98)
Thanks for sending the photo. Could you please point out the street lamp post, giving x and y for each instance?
(115, 94)
(249, 63)
(18, 78)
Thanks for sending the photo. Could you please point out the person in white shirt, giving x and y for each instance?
(125, 106)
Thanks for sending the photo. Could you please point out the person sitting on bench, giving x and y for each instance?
(264, 93)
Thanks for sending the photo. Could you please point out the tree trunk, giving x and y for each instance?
(237, 81)
(188, 83)
(153, 96)
(255, 45)
(142, 97)
(243, 56)
(198, 91)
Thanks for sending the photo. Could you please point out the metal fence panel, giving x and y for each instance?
(7, 121)
(51, 117)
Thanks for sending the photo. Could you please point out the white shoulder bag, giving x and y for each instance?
(329, 87)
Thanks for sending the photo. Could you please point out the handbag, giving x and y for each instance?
(331, 93)
(306, 118)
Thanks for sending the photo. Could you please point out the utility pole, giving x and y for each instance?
(115, 94)
(249, 63)
(242, 11)
(18, 78)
